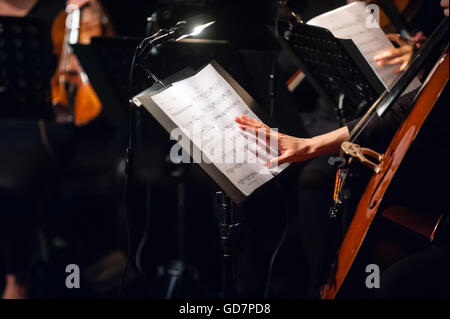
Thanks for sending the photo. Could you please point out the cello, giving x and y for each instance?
(384, 166)
(73, 97)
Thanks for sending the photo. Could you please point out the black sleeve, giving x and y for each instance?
(380, 130)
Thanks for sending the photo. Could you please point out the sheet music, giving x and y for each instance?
(350, 22)
(204, 107)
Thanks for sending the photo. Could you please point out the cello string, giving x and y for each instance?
(63, 67)
(363, 126)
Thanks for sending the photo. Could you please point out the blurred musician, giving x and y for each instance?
(18, 232)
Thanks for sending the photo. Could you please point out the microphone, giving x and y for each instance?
(182, 29)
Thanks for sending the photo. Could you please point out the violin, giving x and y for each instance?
(73, 97)
(384, 166)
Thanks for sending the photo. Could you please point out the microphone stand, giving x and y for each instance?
(228, 228)
(177, 268)
(142, 52)
(179, 274)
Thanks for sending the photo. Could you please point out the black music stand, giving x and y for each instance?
(229, 229)
(107, 62)
(229, 196)
(335, 68)
(25, 70)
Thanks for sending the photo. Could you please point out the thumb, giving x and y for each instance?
(278, 161)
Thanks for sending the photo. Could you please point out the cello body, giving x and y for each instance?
(384, 172)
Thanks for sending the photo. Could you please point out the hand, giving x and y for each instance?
(401, 55)
(444, 4)
(292, 149)
(78, 3)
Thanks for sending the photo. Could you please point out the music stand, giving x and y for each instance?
(107, 62)
(25, 70)
(230, 195)
(335, 68)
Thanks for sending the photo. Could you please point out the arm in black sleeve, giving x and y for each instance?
(380, 130)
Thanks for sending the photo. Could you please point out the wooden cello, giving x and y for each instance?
(72, 95)
(385, 166)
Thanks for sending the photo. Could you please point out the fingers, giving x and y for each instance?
(394, 61)
(390, 54)
(243, 120)
(444, 4)
(400, 60)
(78, 3)
(254, 121)
(253, 130)
(385, 56)
(258, 131)
(246, 127)
(254, 127)
(280, 160)
(255, 124)
(401, 68)
(397, 70)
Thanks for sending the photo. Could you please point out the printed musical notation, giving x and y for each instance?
(204, 107)
(350, 22)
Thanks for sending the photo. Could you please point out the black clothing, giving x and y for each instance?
(46, 11)
(380, 131)
(423, 275)
(428, 19)
(26, 168)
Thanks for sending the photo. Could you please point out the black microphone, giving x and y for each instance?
(161, 36)
(182, 29)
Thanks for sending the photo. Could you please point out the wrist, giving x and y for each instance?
(307, 148)
(319, 145)
(329, 143)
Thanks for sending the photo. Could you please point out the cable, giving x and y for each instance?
(280, 243)
(128, 162)
(128, 230)
(274, 64)
(272, 107)
(144, 239)
(46, 142)
(129, 154)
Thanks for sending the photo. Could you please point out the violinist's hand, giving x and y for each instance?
(292, 149)
(444, 4)
(400, 56)
(79, 3)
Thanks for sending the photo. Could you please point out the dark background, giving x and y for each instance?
(70, 209)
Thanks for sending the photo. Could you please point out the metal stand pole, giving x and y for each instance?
(228, 229)
(177, 267)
